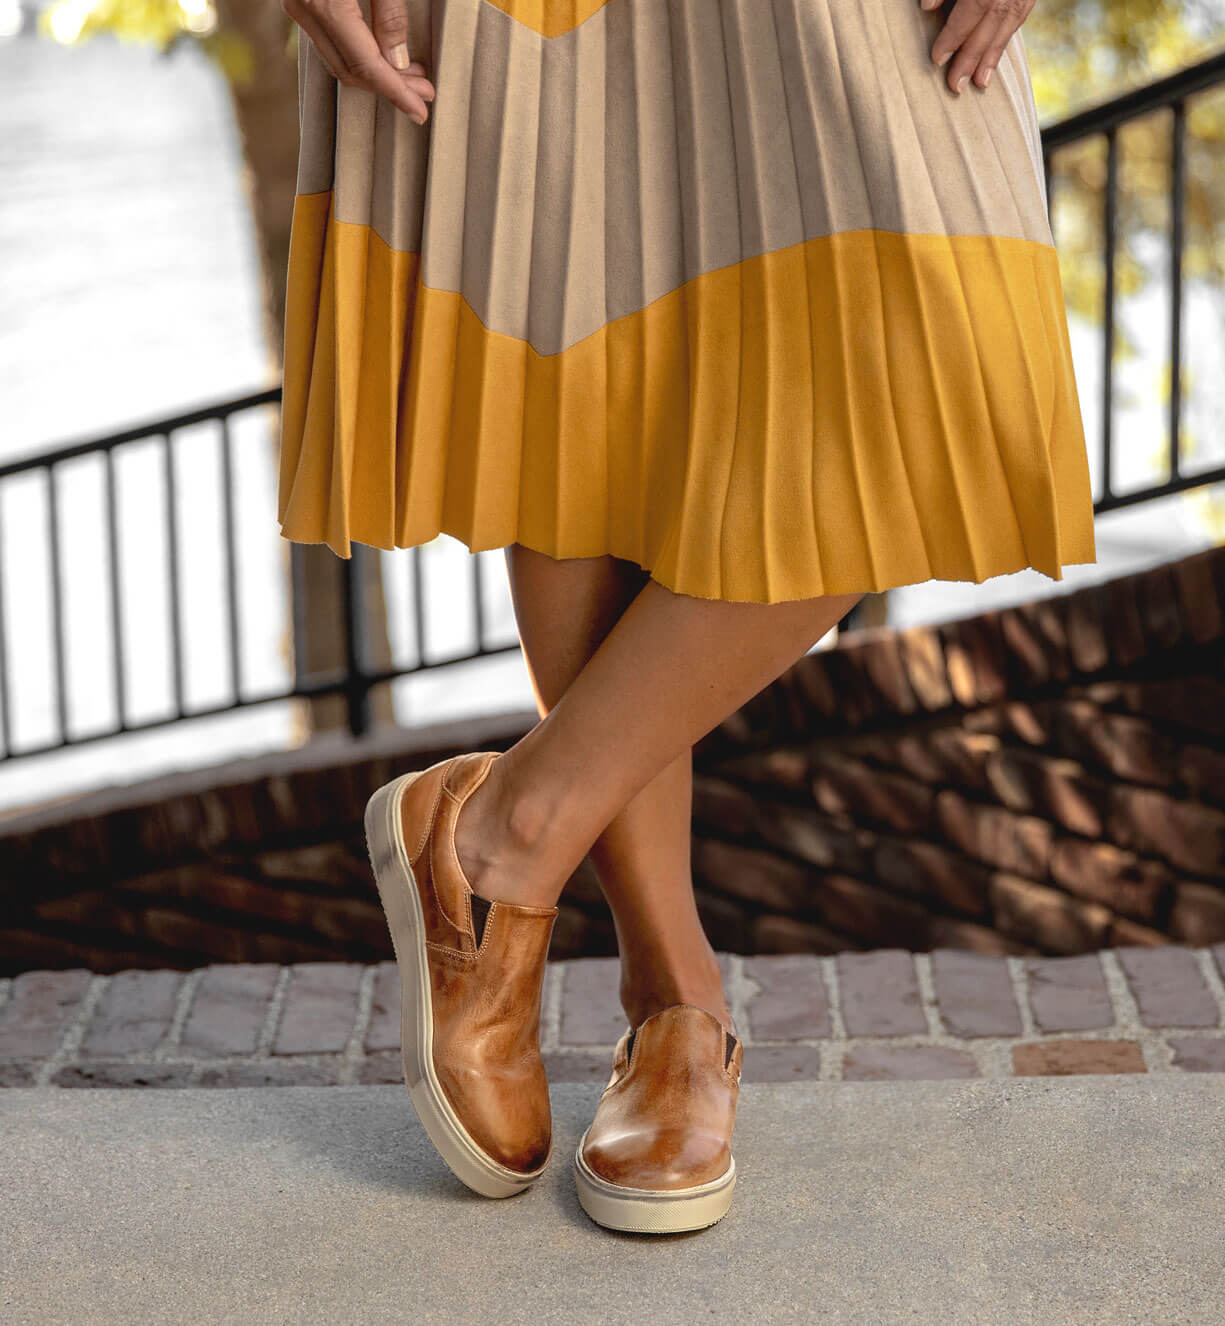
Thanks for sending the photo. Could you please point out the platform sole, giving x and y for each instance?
(651, 1211)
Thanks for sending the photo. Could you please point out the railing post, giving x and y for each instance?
(357, 683)
(297, 607)
(1109, 243)
(1178, 223)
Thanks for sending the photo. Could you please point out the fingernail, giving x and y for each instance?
(987, 77)
(419, 119)
(399, 56)
(961, 82)
(945, 58)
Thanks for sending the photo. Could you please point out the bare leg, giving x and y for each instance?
(564, 609)
(670, 669)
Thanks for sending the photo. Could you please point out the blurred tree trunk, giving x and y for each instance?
(266, 112)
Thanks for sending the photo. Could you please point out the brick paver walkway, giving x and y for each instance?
(883, 1014)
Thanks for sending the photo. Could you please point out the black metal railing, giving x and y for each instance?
(1104, 123)
(356, 679)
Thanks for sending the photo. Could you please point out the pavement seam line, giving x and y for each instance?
(833, 1051)
(742, 990)
(550, 1012)
(74, 1032)
(1018, 973)
(929, 1001)
(272, 1019)
(353, 1055)
(1214, 981)
(989, 1059)
(1157, 1054)
(173, 1035)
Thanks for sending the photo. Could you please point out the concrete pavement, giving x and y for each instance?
(1082, 1199)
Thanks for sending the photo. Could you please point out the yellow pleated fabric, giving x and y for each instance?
(740, 293)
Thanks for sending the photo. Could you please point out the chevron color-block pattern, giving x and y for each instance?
(738, 290)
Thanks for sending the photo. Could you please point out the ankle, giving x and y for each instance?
(504, 840)
(650, 983)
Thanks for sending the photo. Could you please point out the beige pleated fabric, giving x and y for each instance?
(738, 290)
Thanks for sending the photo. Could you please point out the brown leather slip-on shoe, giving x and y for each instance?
(471, 976)
(657, 1158)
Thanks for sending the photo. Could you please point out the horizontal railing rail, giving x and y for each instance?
(357, 677)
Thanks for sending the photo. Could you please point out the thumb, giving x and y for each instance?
(389, 23)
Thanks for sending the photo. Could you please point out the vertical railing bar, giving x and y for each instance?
(478, 606)
(172, 569)
(297, 611)
(5, 730)
(118, 660)
(357, 687)
(231, 558)
(418, 602)
(57, 603)
(1110, 224)
(1177, 236)
(1048, 184)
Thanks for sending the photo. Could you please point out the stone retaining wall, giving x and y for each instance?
(1040, 780)
(1049, 778)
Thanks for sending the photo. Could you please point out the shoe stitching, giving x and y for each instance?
(429, 820)
(442, 911)
(426, 840)
(449, 845)
(468, 958)
(433, 847)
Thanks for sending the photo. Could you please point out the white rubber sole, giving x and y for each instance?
(651, 1210)
(402, 906)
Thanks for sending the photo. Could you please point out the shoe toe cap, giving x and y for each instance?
(657, 1158)
(510, 1122)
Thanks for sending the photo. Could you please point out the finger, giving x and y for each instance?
(971, 53)
(319, 38)
(999, 43)
(389, 23)
(335, 64)
(965, 16)
(363, 65)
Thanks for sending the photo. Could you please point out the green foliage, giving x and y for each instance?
(160, 23)
(155, 22)
(1086, 51)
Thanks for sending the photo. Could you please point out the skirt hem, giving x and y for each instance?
(676, 586)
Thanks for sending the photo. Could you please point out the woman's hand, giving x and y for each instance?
(978, 31)
(372, 56)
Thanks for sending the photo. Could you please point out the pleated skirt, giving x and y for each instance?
(737, 290)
